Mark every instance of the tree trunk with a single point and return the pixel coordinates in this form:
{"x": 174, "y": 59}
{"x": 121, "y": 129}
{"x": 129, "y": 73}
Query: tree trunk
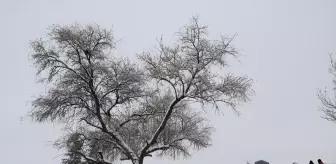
{"x": 137, "y": 161}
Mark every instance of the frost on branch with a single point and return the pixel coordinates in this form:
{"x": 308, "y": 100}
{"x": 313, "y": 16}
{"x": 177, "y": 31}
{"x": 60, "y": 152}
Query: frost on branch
{"x": 328, "y": 103}
{"x": 187, "y": 68}
{"x": 109, "y": 105}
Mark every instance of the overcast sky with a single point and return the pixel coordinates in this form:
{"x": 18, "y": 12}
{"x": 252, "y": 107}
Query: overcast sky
{"x": 284, "y": 43}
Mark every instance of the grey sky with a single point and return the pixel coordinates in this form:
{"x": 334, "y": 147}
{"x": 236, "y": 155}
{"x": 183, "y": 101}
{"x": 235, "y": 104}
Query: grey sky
{"x": 285, "y": 46}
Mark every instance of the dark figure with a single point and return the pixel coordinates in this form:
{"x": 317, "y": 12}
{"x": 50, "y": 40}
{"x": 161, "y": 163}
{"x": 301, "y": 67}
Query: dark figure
{"x": 320, "y": 161}
{"x": 311, "y": 162}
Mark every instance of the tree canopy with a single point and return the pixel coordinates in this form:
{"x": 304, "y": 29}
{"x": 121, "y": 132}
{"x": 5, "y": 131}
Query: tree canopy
{"x": 116, "y": 109}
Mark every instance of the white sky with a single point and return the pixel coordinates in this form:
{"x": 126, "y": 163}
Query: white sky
{"x": 285, "y": 45}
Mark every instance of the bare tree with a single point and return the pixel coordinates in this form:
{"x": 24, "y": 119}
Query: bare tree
{"x": 329, "y": 102}
{"x": 113, "y": 109}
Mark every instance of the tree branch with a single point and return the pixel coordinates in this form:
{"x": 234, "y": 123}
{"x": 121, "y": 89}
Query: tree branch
{"x": 168, "y": 81}
{"x": 163, "y": 147}
{"x": 161, "y": 127}
{"x": 90, "y": 160}
{"x": 131, "y": 119}
{"x": 64, "y": 64}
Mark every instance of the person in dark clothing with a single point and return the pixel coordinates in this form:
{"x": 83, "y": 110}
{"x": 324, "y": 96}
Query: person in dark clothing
{"x": 311, "y": 162}
{"x": 320, "y": 161}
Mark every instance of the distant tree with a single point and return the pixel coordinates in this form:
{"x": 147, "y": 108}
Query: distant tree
{"x": 113, "y": 109}
{"x": 329, "y": 102}
{"x": 261, "y": 162}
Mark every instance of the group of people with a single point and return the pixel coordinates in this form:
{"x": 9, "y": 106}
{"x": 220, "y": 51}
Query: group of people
{"x": 319, "y": 161}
